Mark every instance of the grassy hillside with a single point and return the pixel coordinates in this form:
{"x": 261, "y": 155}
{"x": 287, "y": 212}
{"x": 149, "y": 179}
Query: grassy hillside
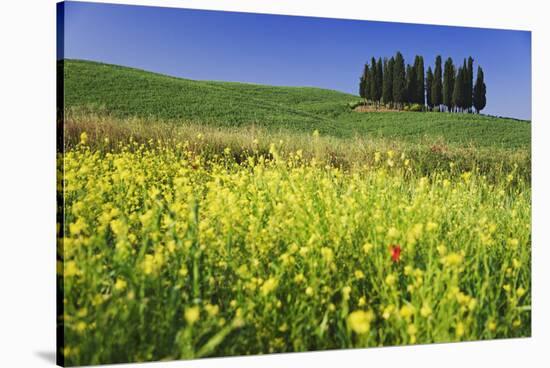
{"x": 125, "y": 92}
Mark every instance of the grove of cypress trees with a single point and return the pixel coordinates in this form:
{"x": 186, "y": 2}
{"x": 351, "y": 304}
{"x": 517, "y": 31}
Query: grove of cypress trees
{"x": 395, "y": 83}
{"x": 448, "y": 83}
{"x": 429, "y": 87}
{"x": 399, "y": 89}
{"x": 437, "y": 85}
{"x": 480, "y": 91}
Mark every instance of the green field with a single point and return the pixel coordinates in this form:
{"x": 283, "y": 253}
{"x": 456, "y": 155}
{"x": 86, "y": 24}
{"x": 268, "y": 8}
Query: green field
{"x": 125, "y": 92}
{"x": 201, "y": 219}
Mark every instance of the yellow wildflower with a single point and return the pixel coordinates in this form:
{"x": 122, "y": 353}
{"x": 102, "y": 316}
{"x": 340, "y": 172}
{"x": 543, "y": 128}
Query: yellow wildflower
{"x": 212, "y": 310}
{"x": 327, "y": 254}
{"x": 431, "y": 226}
{"x": 393, "y": 233}
{"x": 359, "y": 321}
{"x": 83, "y": 138}
{"x": 459, "y": 329}
{"x": 269, "y": 285}
{"x": 299, "y": 278}
{"x": 346, "y": 291}
{"x": 71, "y": 269}
{"x": 406, "y": 311}
{"x": 120, "y": 284}
{"x": 192, "y": 314}
{"x": 452, "y": 259}
{"x": 367, "y": 247}
{"x": 425, "y": 311}
{"x": 81, "y": 327}
{"x": 391, "y": 279}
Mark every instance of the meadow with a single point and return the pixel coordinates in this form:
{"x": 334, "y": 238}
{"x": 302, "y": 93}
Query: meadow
{"x": 122, "y": 92}
{"x": 183, "y": 238}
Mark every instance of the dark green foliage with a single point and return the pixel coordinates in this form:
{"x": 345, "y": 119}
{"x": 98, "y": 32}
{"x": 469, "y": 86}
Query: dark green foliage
{"x": 448, "y": 83}
{"x": 363, "y": 82}
{"x": 373, "y": 92}
{"x": 437, "y": 86}
{"x": 379, "y": 80}
{"x": 468, "y": 92}
{"x": 399, "y": 80}
{"x": 429, "y": 87}
{"x": 463, "y": 102}
{"x": 387, "y": 87}
{"x": 480, "y": 90}
{"x": 368, "y": 81}
{"x": 458, "y": 90}
{"x": 394, "y": 84}
{"x": 419, "y": 93}
{"x": 362, "y": 86}
{"x": 411, "y": 84}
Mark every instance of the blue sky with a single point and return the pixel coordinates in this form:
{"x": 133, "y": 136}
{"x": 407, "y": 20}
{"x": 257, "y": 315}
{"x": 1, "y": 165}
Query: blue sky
{"x": 289, "y": 50}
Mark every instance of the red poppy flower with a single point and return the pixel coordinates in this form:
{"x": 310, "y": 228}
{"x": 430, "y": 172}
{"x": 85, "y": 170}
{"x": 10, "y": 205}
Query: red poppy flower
{"x": 395, "y": 251}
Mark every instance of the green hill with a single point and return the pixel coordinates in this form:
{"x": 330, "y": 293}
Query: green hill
{"x": 127, "y": 92}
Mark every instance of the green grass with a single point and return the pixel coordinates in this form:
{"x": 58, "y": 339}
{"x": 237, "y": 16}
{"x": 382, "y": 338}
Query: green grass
{"x": 345, "y": 153}
{"x": 124, "y": 92}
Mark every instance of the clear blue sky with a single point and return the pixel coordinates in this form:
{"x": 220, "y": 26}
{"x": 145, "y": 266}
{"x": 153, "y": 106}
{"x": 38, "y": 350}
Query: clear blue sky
{"x": 288, "y": 50}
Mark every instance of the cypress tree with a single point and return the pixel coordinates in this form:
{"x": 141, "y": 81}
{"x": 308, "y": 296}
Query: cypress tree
{"x": 411, "y": 84}
{"x": 419, "y": 66}
{"x": 448, "y": 83}
{"x": 399, "y": 89}
{"x": 387, "y": 86}
{"x": 468, "y": 93}
{"x": 458, "y": 89}
{"x": 464, "y": 102}
{"x": 367, "y": 82}
{"x": 437, "y": 85}
{"x": 379, "y": 80}
{"x": 363, "y": 82}
{"x": 372, "y": 81}
{"x": 429, "y": 87}
{"x": 391, "y": 66}
{"x": 480, "y": 90}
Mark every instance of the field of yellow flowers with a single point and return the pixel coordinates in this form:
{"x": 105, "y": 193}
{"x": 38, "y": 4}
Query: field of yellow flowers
{"x": 168, "y": 253}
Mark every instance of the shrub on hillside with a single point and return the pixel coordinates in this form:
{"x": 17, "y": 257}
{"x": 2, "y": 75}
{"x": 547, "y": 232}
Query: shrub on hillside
{"x": 415, "y": 107}
{"x": 353, "y": 104}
